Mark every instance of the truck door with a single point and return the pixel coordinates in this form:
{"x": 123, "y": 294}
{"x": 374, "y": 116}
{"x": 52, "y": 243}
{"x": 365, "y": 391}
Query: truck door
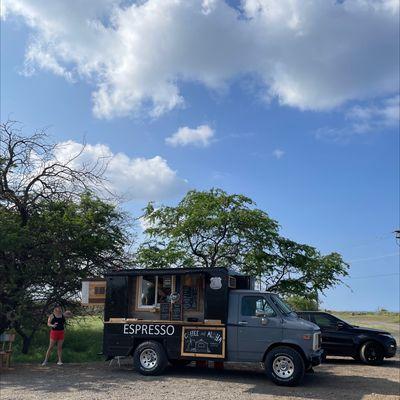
{"x": 258, "y": 327}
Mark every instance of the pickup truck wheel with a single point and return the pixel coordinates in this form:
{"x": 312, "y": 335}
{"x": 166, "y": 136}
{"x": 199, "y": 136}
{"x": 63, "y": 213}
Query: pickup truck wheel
{"x": 285, "y": 366}
{"x": 149, "y": 358}
{"x": 371, "y": 353}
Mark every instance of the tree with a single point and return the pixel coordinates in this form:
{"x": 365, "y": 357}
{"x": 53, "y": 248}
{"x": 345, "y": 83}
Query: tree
{"x": 31, "y": 173}
{"x": 206, "y": 229}
{"x": 53, "y": 231}
{"x": 215, "y": 229}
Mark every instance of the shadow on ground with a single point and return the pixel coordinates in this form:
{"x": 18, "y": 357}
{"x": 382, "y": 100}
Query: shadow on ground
{"x": 339, "y": 378}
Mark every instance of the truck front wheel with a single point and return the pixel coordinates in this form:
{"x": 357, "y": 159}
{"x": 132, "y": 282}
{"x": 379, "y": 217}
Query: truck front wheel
{"x": 285, "y": 366}
{"x": 149, "y": 358}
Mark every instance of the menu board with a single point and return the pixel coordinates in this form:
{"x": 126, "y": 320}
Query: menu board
{"x": 176, "y": 312}
{"x": 203, "y": 342}
{"x": 189, "y": 298}
{"x": 164, "y": 311}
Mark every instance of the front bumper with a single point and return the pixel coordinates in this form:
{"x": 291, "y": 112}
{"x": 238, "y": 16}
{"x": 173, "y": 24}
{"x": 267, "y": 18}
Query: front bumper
{"x": 390, "y": 349}
{"x": 315, "y": 357}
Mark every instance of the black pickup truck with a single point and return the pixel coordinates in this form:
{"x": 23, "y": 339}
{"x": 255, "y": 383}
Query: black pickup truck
{"x": 339, "y": 338}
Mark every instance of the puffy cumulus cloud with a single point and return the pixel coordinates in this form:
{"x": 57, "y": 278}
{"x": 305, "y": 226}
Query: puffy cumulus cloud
{"x": 313, "y": 55}
{"x": 130, "y": 178}
{"x": 200, "y": 136}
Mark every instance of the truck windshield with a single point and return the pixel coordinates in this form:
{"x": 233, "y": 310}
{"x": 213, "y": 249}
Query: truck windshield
{"x": 282, "y": 306}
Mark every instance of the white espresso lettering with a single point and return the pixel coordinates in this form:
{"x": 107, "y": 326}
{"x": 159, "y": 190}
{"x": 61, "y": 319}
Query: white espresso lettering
{"x": 144, "y": 329}
{"x": 157, "y": 329}
{"x": 162, "y": 328}
{"x": 131, "y": 329}
{"x": 137, "y": 328}
{"x": 126, "y": 326}
{"x": 151, "y": 328}
{"x": 170, "y": 330}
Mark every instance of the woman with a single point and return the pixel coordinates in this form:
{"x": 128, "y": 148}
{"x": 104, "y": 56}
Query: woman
{"x": 56, "y": 322}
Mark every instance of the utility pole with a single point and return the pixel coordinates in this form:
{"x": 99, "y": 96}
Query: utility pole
{"x": 397, "y": 235}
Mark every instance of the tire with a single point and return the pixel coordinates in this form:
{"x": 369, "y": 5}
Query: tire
{"x": 149, "y": 358}
{"x": 285, "y": 366}
{"x": 371, "y": 353}
{"x": 179, "y": 363}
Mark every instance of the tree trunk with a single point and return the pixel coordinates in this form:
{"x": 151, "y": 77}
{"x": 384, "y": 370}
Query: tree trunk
{"x": 26, "y": 344}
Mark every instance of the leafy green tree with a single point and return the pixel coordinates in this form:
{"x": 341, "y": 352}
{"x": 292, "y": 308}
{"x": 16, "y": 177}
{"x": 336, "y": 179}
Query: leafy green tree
{"x": 216, "y": 229}
{"x": 53, "y": 232}
{"x": 43, "y": 262}
{"x": 299, "y": 303}
{"x": 206, "y": 229}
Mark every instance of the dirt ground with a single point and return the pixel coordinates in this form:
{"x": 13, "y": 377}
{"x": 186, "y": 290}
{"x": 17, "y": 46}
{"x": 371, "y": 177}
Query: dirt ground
{"x": 338, "y": 379}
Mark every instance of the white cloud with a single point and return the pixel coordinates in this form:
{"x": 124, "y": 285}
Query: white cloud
{"x": 313, "y": 55}
{"x": 130, "y": 178}
{"x": 278, "y": 153}
{"x": 200, "y": 136}
{"x": 375, "y": 116}
{"x": 372, "y": 117}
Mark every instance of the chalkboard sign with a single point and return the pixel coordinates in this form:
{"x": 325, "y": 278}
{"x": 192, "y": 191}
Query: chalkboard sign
{"x": 176, "y": 312}
{"x": 189, "y": 299}
{"x": 203, "y": 342}
{"x": 164, "y": 311}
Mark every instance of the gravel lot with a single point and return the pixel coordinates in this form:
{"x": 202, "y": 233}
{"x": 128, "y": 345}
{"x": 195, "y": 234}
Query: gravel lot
{"x": 338, "y": 379}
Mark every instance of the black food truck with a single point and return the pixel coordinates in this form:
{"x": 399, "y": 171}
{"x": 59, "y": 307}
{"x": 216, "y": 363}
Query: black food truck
{"x": 162, "y": 316}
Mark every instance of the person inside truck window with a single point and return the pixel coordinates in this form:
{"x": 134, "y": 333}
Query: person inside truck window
{"x": 253, "y": 304}
{"x": 154, "y": 289}
{"x": 148, "y": 290}
{"x": 325, "y": 321}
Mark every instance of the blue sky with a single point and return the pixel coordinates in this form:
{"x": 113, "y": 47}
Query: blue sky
{"x": 287, "y": 104}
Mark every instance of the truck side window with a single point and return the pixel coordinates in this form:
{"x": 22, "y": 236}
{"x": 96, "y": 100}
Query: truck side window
{"x": 251, "y": 304}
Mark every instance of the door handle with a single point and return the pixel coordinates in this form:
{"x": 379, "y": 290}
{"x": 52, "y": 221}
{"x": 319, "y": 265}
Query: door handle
{"x": 242, "y": 323}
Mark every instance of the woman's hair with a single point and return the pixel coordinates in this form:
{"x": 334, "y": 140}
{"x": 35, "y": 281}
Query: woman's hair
{"x": 57, "y": 306}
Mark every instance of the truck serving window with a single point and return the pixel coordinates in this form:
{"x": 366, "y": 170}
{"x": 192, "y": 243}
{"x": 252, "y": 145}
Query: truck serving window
{"x": 153, "y": 290}
{"x": 252, "y": 304}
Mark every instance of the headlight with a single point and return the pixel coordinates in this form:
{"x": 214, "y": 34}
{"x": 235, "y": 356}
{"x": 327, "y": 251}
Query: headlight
{"x": 316, "y": 341}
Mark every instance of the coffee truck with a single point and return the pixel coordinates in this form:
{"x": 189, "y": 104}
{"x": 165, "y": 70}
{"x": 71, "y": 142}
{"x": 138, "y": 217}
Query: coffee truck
{"x": 175, "y": 316}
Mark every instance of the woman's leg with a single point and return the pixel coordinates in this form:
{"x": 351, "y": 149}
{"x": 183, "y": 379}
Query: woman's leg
{"x": 59, "y": 350}
{"x": 48, "y": 352}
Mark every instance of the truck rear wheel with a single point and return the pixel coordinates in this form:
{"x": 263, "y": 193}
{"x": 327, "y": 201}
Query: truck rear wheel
{"x": 285, "y": 366}
{"x": 149, "y": 358}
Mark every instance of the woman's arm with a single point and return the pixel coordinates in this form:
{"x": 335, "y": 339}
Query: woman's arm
{"x": 49, "y": 324}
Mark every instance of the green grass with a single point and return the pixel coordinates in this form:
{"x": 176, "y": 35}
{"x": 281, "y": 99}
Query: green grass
{"x": 84, "y": 335}
{"x": 83, "y": 342}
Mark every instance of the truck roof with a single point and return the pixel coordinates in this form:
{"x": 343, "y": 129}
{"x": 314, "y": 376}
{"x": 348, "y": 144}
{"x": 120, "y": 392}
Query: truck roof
{"x": 248, "y": 291}
{"x": 171, "y": 271}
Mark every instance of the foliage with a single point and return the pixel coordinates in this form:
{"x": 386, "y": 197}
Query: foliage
{"x": 299, "y": 303}
{"x": 206, "y": 229}
{"x": 53, "y": 231}
{"x": 216, "y": 229}
{"x": 44, "y": 261}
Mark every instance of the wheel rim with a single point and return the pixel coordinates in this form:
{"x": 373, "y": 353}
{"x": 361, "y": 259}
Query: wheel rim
{"x": 148, "y": 359}
{"x": 283, "y": 367}
{"x": 371, "y": 353}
